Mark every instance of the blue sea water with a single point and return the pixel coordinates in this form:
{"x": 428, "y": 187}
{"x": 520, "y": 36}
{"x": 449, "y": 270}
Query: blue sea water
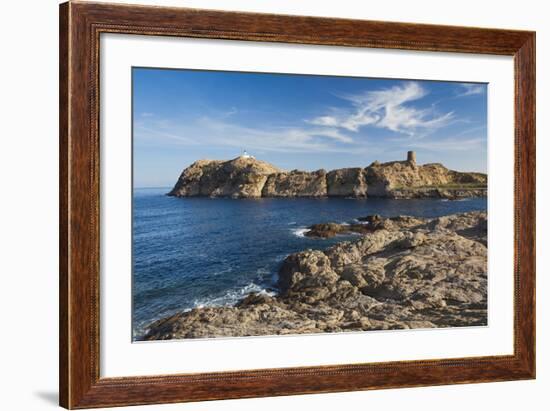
{"x": 192, "y": 252}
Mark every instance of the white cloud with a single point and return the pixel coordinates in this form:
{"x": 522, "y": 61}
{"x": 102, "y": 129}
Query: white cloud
{"x": 339, "y": 130}
{"x": 386, "y": 109}
{"x": 471, "y": 89}
{"x": 220, "y": 132}
{"x": 325, "y": 121}
{"x": 275, "y": 138}
{"x": 153, "y": 134}
{"x": 348, "y": 121}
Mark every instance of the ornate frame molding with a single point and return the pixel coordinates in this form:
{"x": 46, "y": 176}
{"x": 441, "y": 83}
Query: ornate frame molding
{"x": 81, "y": 24}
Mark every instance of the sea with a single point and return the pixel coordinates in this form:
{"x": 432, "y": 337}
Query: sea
{"x": 198, "y": 252}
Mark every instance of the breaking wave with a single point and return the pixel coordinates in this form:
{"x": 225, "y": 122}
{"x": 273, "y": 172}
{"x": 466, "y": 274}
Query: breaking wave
{"x": 300, "y": 232}
{"x": 231, "y": 297}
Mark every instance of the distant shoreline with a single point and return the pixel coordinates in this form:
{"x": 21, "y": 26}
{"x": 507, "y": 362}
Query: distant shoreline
{"x": 247, "y": 177}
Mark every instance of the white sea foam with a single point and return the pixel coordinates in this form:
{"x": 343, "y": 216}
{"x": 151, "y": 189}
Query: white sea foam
{"x": 231, "y": 297}
{"x": 300, "y": 232}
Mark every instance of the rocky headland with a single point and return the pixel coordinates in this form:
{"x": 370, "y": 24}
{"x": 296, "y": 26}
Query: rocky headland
{"x": 402, "y": 272}
{"x": 247, "y": 177}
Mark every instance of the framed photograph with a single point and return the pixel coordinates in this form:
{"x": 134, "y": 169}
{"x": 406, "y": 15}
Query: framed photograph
{"x": 259, "y": 205}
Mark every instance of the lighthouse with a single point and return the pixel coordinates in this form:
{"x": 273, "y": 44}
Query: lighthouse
{"x": 246, "y": 155}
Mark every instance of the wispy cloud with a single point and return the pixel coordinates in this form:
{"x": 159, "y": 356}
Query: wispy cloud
{"x": 220, "y": 132}
{"x": 343, "y": 129}
{"x": 154, "y": 134}
{"x": 387, "y": 109}
{"x": 272, "y": 138}
{"x": 467, "y": 89}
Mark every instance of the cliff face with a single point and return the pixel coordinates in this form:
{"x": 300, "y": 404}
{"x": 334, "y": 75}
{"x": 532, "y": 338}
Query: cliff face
{"x": 238, "y": 178}
{"x": 246, "y": 177}
{"x": 389, "y": 179}
{"x": 347, "y": 182}
{"x": 296, "y": 184}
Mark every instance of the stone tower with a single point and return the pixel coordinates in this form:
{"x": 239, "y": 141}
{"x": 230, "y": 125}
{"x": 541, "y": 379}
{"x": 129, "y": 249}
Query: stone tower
{"x": 411, "y": 157}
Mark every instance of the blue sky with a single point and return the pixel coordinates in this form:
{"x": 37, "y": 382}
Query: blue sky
{"x": 301, "y": 122}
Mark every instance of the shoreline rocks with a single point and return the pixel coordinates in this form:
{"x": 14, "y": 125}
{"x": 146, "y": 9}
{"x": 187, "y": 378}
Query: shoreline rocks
{"x": 405, "y": 272}
{"x": 246, "y": 177}
{"x": 328, "y": 230}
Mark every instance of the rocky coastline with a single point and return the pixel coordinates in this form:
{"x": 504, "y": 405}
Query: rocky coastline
{"x": 247, "y": 177}
{"x": 400, "y": 273}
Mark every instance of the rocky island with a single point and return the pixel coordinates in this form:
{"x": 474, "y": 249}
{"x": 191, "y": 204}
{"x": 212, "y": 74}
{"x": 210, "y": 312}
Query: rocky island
{"x": 247, "y": 177}
{"x": 402, "y": 272}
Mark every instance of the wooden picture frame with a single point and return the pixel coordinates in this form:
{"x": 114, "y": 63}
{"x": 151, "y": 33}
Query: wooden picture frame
{"x": 80, "y": 27}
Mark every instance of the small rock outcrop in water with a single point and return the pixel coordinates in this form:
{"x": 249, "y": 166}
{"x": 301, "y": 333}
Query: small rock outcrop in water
{"x": 328, "y": 230}
{"x": 246, "y": 177}
{"x": 407, "y": 272}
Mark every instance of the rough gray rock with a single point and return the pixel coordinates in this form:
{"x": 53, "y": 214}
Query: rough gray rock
{"x": 246, "y": 177}
{"x": 296, "y": 184}
{"x": 405, "y": 179}
{"x": 447, "y": 193}
{"x": 328, "y": 230}
{"x": 407, "y": 273}
{"x": 238, "y": 178}
{"x": 347, "y": 182}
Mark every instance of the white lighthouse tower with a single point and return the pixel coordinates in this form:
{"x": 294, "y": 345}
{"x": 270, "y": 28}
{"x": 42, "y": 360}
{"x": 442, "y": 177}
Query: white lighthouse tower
{"x": 246, "y": 155}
